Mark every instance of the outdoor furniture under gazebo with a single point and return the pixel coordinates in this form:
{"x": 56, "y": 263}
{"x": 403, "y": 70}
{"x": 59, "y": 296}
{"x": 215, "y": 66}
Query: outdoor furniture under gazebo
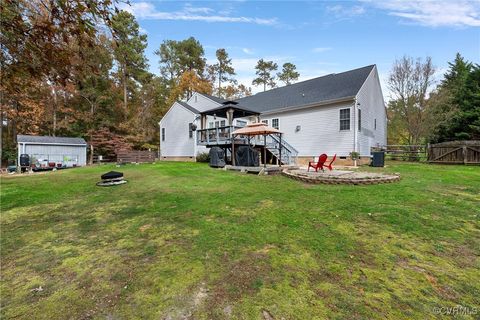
{"x": 258, "y": 129}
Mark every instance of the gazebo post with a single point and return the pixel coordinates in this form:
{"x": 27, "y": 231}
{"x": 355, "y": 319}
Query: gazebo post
{"x": 264, "y": 151}
{"x": 233, "y": 150}
{"x": 280, "y": 160}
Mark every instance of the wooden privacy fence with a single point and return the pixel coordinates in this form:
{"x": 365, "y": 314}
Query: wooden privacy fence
{"x": 137, "y": 156}
{"x": 455, "y": 152}
{"x": 404, "y": 152}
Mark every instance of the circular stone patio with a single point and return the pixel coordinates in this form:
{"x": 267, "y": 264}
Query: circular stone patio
{"x": 340, "y": 177}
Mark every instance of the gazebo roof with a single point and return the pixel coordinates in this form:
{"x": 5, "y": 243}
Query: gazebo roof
{"x": 238, "y": 110}
{"x": 256, "y": 129}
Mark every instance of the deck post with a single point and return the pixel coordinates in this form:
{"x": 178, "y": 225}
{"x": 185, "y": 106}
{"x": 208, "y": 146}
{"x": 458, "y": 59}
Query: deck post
{"x": 264, "y": 151}
{"x": 280, "y": 156}
{"x": 233, "y": 149}
{"x": 230, "y": 116}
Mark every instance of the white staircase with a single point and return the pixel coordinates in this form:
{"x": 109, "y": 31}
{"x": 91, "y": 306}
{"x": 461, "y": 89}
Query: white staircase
{"x": 289, "y": 153}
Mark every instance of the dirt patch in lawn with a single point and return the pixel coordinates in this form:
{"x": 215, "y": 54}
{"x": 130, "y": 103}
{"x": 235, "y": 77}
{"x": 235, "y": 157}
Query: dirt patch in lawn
{"x": 243, "y": 277}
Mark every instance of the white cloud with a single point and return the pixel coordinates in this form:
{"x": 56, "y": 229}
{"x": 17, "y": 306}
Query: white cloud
{"x": 247, "y": 50}
{"x": 434, "y": 13}
{"x": 321, "y": 49}
{"x": 146, "y": 10}
{"x": 341, "y": 11}
{"x": 204, "y": 10}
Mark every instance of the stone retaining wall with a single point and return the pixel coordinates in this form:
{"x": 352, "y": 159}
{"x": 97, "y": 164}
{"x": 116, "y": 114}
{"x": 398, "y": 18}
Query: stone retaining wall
{"x": 340, "y": 180}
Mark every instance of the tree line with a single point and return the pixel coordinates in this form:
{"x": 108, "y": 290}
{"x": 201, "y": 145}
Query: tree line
{"x": 78, "y": 68}
{"x": 419, "y": 115}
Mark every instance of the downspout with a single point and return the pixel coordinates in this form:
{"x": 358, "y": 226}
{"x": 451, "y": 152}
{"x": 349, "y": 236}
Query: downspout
{"x": 355, "y": 129}
{"x": 194, "y": 136}
{"x": 159, "y": 140}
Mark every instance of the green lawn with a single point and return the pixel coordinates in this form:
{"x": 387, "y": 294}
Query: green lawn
{"x": 184, "y": 241}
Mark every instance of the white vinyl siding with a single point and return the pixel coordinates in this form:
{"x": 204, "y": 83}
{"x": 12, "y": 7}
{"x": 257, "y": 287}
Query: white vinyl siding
{"x": 175, "y": 125}
{"x": 373, "y": 115}
{"x": 202, "y": 103}
{"x": 318, "y": 130}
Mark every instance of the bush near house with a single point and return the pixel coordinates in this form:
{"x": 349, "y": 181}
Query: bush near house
{"x": 181, "y": 240}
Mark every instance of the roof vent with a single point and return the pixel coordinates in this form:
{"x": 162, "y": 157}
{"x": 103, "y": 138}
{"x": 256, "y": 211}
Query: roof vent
{"x": 303, "y": 94}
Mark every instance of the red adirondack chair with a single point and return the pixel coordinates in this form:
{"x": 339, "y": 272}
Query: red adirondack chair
{"x": 321, "y": 164}
{"x": 329, "y": 166}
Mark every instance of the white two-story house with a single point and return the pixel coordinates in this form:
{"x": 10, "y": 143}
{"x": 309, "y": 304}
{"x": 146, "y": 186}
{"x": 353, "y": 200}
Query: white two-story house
{"x": 333, "y": 114}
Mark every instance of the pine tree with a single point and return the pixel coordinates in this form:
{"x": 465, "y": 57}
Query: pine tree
{"x": 128, "y": 47}
{"x": 289, "y": 73}
{"x": 264, "y": 73}
{"x": 223, "y": 69}
{"x": 455, "y": 106}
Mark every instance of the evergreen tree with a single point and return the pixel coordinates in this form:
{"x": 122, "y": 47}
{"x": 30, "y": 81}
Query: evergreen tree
{"x": 289, "y": 73}
{"x": 454, "y": 107}
{"x": 264, "y": 73}
{"x": 177, "y": 57}
{"x": 128, "y": 48}
{"x": 223, "y": 69}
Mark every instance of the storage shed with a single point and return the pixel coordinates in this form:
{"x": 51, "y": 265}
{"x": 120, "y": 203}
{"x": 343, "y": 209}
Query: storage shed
{"x": 45, "y": 150}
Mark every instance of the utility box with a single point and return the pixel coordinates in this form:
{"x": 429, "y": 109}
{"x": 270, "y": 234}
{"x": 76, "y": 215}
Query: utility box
{"x": 378, "y": 159}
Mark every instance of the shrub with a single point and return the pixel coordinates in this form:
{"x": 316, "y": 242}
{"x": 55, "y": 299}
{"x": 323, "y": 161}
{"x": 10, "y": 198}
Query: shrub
{"x": 203, "y": 157}
{"x": 354, "y": 155}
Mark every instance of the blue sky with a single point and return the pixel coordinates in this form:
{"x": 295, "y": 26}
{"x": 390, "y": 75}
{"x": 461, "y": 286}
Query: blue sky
{"x": 320, "y": 37}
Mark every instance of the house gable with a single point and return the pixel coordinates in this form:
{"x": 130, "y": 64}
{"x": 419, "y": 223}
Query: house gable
{"x": 373, "y": 114}
{"x": 175, "y": 140}
{"x": 202, "y": 102}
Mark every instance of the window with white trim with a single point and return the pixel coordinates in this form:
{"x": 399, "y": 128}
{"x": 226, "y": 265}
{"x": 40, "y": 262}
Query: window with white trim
{"x": 241, "y": 123}
{"x": 375, "y": 124}
{"x": 265, "y": 121}
{"x": 217, "y": 124}
{"x": 163, "y": 134}
{"x": 222, "y": 123}
{"x": 345, "y": 119}
{"x": 275, "y": 123}
{"x": 190, "y": 131}
{"x": 210, "y": 124}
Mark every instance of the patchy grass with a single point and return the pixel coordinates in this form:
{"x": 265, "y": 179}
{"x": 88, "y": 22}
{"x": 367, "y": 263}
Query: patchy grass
{"x": 182, "y": 240}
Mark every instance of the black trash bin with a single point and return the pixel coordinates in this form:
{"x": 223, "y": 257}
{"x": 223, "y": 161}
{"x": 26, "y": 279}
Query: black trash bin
{"x": 378, "y": 159}
{"x": 24, "y": 160}
{"x": 217, "y": 157}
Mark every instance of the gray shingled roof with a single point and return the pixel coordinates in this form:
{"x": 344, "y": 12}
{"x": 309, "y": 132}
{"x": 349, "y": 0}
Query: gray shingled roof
{"x": 317, "y": 90}
{"x": 189, "y": 107}
{"x": 50, "y": 140}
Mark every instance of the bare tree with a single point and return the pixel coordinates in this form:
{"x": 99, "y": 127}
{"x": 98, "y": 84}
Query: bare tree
{"x": 409, "y": 82}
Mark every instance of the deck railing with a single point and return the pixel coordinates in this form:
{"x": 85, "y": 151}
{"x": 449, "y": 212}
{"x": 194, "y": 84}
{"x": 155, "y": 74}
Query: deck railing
{"x": 217, "y": 136}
